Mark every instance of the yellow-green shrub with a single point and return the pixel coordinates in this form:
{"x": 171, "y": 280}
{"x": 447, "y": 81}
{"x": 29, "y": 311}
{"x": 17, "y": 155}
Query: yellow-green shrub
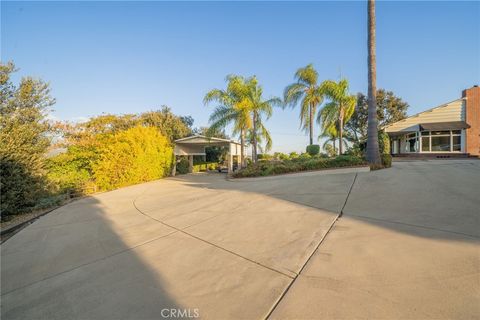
{"x": 136, "y": 155}
{"x": 204, "y": 166}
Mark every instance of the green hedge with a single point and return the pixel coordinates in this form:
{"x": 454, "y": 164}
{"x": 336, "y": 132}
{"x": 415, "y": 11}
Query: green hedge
{"x": 204, "y": 166}
{"x": 111, "y": 161}
{"x": 383, "y": 142}
{"x": 386, "y": 160}
{"x": 133, "y": 156}
{"x": 266, "y": 168}
{"x": 182, "y": 166}
{"x": 313, "y": 149}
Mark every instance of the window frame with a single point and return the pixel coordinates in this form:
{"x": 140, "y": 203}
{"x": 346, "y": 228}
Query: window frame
{"x": 428, "y": 134}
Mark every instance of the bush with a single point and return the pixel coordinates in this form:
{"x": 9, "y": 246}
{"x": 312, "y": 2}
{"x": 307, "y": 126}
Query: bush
{"x": 386, "y": 160}
{"x": 133, "y": 156}
{"x": 266, "y": 168}
{"x": 182, "y": 166}
{"x": 304, "y": 156}
{"x": 204, "y": 166}
{"x": 313, "y": 149}
{"x": 383, "y": 142}
{"x": 264, "y": 156}
{"x": 70, "y": 172}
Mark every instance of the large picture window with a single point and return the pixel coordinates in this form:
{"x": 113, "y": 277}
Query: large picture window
{"x": 441, "y": 141}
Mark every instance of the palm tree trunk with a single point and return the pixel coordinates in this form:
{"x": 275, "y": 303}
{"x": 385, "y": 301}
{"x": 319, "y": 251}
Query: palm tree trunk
{"x": 373, "y": 155}
{"x": 242, "y": 148}
{"x": 254, "y": 138}
{"x": 311, "y": 124}
{"x": 340, "y": 141}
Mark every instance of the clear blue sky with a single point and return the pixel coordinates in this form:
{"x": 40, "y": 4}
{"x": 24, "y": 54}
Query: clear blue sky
{"x": 126, "y": 57}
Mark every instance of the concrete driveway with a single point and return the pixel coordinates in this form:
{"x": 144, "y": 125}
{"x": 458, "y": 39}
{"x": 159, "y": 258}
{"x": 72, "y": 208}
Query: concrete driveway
{"x": 406, "y": 246}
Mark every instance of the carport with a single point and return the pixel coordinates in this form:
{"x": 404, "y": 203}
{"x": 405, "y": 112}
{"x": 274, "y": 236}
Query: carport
{"x": 195, "y": 146}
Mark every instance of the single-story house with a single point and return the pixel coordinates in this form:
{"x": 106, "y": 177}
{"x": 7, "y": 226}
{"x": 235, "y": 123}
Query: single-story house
{"x": 450, "y": 129}
{"x": 195, "y": 146}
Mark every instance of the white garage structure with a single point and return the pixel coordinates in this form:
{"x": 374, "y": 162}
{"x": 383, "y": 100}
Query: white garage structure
{"x": 195, "y": 146}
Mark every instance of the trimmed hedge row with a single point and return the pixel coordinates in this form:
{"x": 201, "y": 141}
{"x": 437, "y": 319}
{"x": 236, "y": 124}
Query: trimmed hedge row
{"x": 111, "y": 161}
{"x": 268, "y": 168}
{"x": 182, "y": 166}
{"x": 204, "y": 166}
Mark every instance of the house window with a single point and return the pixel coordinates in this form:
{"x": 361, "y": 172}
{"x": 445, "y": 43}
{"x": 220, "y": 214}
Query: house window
{"x": 441, "y": 141}
{"x": 425, "y": 142}
{"x": 456, "y": 143}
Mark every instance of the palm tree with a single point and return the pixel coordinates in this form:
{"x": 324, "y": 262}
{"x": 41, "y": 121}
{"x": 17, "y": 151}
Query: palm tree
{"x": 260, "y": 109}
{"x": 308, "y": 92}
{"x": 233, "y": 108}
{"x": 373, "y": 154}
{"x": 339, "y": 110}
{"x": 330, "y": 134}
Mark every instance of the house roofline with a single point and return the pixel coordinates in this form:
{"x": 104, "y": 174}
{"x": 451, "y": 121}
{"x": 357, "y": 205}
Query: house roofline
{"x": 419, "y": 113}
{"x": 205, "y": 137}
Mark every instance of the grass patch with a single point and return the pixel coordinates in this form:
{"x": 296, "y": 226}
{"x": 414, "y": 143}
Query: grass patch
{"x": 274, "y": 167}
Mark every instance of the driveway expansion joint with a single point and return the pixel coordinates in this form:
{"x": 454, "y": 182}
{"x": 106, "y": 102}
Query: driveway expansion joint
{"x": 313, "y": 252}
{"x": 88, "y": 263}
{"x": 213, "y": 244}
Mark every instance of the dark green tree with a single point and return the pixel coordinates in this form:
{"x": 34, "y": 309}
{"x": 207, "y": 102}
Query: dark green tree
{"x": 390, "y": 109}
{"x": 23, "y": 140}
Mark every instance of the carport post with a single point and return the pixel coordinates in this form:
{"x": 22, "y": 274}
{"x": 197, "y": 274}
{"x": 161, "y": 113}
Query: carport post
{"x": 230, "y": 163}
{"x": 174, "y": 166}
{"x": 190, "y": 164}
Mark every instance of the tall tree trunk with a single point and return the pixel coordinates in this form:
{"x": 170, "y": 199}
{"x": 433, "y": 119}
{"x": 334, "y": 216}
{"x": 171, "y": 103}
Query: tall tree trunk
{"x": 335, "y": 145}
{"x": 373, "y": 154}
{"x": 242, "y": 148}
{"x": 311, "y": 124}
{"x": 254, "y": 138}
{"x": 340, "y": 141}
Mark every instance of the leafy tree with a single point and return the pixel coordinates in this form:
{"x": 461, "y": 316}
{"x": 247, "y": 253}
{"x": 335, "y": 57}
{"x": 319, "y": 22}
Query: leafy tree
{"x": 373, "y": 154}
{"x": 23, "y": 140}
{"x": 211, "y": 132}
{"x": 309, "y": 93}
{"x": 188, "y": 120}
{"x": 171, "y": 126}
{"x": 339, "y": 110}
{"x": 390, "y": 109}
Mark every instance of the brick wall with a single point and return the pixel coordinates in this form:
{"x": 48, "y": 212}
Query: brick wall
{"x": 472, "y": 117}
